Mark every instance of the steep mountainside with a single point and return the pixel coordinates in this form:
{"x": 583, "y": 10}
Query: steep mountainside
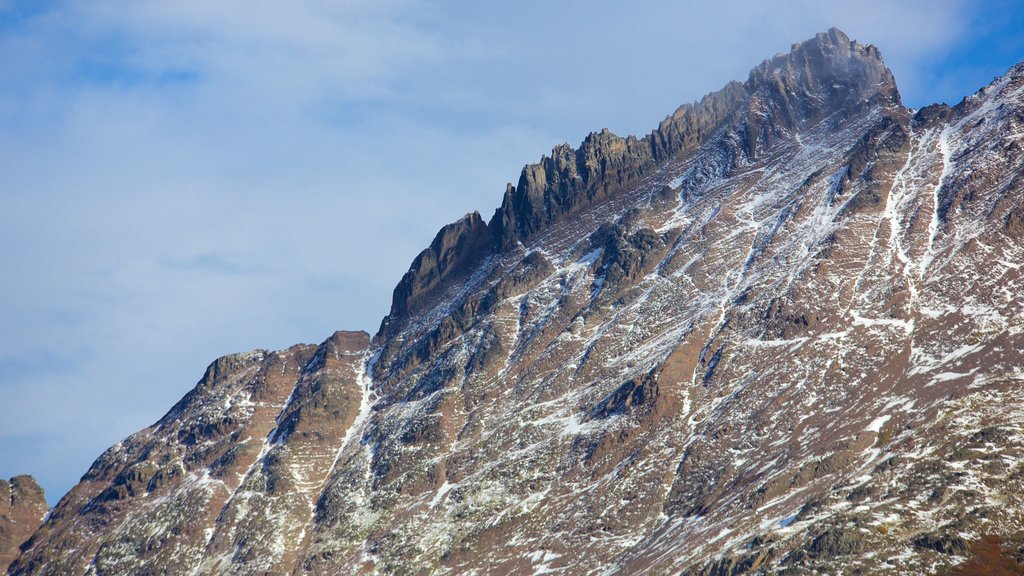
{"x": 782, "y": 333}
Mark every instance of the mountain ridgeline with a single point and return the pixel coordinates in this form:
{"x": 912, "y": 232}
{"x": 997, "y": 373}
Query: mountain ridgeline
{"x": 780, "y": 334}
{"x": 817, "y": 78}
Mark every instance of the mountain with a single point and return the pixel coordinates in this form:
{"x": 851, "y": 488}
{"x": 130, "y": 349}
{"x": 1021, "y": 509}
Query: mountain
{"x": 781, "y": 333}
{"x": 22, "y": 508}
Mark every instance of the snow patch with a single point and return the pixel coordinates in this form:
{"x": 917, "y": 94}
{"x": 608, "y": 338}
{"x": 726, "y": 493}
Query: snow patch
{"x": 877, "y": 423}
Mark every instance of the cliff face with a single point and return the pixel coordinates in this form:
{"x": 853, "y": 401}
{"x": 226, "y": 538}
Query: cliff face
{"x": 780, "y": 333}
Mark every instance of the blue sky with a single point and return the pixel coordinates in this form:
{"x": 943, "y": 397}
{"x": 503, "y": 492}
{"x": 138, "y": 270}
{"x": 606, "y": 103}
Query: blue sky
{"x": 180, "y": 180}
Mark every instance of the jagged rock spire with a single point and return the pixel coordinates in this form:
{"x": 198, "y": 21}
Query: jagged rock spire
{"x": 825, "y": 74}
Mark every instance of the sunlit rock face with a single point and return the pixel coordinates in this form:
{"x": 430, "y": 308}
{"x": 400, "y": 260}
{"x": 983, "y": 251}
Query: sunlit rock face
{"x": 782, "y": 333}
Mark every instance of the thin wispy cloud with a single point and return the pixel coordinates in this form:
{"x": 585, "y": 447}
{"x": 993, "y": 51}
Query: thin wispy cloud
{"x": 185, "y": 179}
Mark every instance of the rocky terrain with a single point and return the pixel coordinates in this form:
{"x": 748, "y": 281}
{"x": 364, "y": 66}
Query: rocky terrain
{"x": 22, "y": 508}
{"x": 783, "y": 333}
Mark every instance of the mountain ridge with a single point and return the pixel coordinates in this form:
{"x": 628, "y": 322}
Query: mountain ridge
{"x": 828, "y": 67}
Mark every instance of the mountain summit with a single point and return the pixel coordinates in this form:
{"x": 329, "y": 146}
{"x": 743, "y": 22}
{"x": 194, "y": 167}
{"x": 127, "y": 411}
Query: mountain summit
{"x": 781, "y": 333}
{"x": 826, "y": 75}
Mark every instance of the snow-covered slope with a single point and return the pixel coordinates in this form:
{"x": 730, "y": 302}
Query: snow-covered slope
{"x": 781, "y": 333}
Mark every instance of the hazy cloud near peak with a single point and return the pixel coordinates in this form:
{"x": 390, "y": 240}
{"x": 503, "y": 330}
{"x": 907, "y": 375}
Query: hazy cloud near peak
{"x": 185, "y": 179}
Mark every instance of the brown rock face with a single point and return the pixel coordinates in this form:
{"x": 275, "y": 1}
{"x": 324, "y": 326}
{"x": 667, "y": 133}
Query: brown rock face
{"x": 781, "y": 334}
{"x": 22, "y": 508}
{"x": 456, "y": 248}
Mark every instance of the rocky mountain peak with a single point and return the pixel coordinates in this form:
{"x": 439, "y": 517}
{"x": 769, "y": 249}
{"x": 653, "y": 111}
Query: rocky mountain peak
{"x": 829, "y": 67}
{"x": 825, "y": 75}
{"x": 828, "y": 75}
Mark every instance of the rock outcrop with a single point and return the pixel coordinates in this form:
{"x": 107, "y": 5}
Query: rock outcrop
{"x": 22, "y": 509}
